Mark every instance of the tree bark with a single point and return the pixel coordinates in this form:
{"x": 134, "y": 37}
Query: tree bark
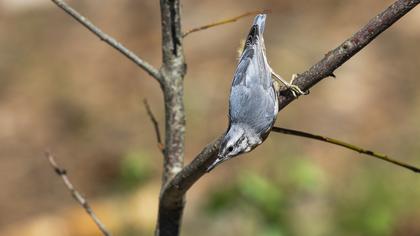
{"x": 173, "y": 72}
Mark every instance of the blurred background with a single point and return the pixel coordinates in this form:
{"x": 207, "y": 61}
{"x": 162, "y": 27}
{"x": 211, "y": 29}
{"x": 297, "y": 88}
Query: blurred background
{"x": 63, "y": 89}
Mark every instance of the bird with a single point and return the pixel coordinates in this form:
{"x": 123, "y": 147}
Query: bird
{"x": 253, "y": 101}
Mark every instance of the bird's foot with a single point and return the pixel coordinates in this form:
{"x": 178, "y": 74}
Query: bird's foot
{"x": 294, "y": 89}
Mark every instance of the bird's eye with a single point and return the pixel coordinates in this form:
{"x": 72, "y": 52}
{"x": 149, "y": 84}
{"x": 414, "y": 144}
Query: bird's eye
{"x": 230, "y": 148}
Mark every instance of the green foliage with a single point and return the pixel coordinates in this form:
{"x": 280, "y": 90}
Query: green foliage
{"x": 305, "y": 175}
{"x": 272, "y": 230}
{"x": 291, "y": 201}
{"x": 302, "y": 200}
{"x": 262, "y": 193}
{"x": 253, "y": 195}
{"x": 378, "y": 221}
{"x": 373, "y": 209}
{"x": 222, "y": 200}
{"x": 135, "y": 169}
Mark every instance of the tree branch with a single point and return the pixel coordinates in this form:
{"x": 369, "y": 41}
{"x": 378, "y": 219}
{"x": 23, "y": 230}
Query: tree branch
{"x": 177, "y": 187}
{"x": 155, "y": 125}
{"x": 75, "y": 194}
{"x": 345, "y": 145}
{"x": 108, "y": 39}
{"x": 335, "y": 58}
{"x": 222, "y": 22}
{"x": 173, "y": 71}
{"x": 172, "y": 52}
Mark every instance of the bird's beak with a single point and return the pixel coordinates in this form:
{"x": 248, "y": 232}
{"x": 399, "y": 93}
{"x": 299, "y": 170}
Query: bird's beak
{"x": 215, "y": 163}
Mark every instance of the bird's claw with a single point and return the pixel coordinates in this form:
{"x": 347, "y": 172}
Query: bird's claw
{"x": 296, "y": 91}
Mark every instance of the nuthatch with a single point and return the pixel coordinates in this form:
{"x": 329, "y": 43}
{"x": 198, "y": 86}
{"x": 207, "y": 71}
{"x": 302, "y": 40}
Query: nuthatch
{"x": 253, "y": 102}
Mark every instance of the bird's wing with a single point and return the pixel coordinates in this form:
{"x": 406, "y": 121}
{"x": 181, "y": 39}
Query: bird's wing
{"x": 242, "y": 68}
{"x": 253, "y": 100}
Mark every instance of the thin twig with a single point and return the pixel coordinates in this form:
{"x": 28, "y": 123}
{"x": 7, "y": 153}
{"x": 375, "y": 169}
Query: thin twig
{"x": 155, "y": 125}
{"x": 108, "y": 39}
{"x": 345, "y": 145}
{"x": 222, "y": 22}
{"x": 76, "y": 195}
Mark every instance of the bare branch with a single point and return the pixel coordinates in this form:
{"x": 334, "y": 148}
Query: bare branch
{"x": 172, "y": 51}
{"x": 155, "y": 125}
{"x": 222, "y": 22}
{"x": 173, "y": 71}
{"x": 109, "y": 40}
{"x": 345, "y": 145}
{"x": 76, "y": 195}
{"x": 177, "y": 187}
{"x": 336, "y": 57}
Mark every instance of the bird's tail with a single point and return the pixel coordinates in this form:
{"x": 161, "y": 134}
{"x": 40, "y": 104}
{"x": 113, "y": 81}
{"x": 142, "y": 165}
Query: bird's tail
{"x": 259, "y": 21}
{"x": 257, "y": 29}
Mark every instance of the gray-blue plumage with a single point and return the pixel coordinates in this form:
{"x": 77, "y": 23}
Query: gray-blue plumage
{"x": 253, "y": 100}
{"x": 253, "y": 103}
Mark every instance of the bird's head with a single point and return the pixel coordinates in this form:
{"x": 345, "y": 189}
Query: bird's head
{"x": 236, "y": 141}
